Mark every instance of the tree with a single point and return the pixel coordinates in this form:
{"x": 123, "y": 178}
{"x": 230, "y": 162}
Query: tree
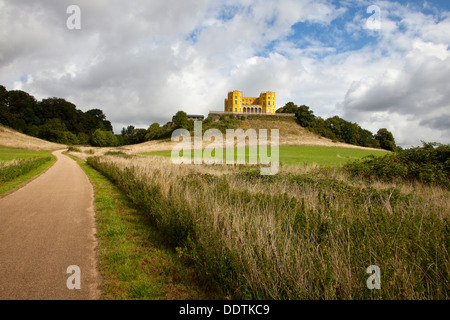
{"x": 131, "y": 135}
{"x": 305, "y": 116}
{"x": 69, "y": 138}
{"x": 99, "y": 138}
{"x": 335, "y": 125}
{"x": 180, "y": 120}
{"x": 59, "y": 108}
{"x": 53, "y": 119}
{"x": 96, "y": 119}
{"x": 139, "y": 135}
{"x": 130, "y": 131}
{"x": 111, "y": 139}
{"x": 367, "y": 139}
{"x": 120, "y": 140}
{"x": 18, "y": 101}
{"x": 102, "y": 138}
{"x": 386, "y": 139}
{"x": 154, "y": 131}
{"x": 3, "y": 94}
{"x": 6, "y": 117}
{"x": 320, "y": 127}
{"x": 53, "y": 130}
{"x": 350, "y": 132}
{"x": 83, "y": 138}
{"x": 289, "y": 107}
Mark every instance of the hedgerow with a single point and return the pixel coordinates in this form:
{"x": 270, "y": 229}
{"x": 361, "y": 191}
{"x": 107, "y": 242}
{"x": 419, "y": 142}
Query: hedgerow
{"x": 427, "y": 164}
{"x": 21, "y": 167}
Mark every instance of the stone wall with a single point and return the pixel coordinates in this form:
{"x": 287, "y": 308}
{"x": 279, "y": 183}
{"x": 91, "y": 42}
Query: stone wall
{"x": 217, "y": 114}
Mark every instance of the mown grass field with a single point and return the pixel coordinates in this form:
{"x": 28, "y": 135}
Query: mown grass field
{"x": 8, "y": 154}
{"x": 306, "y": 155}
{"x": 17, "y": 166}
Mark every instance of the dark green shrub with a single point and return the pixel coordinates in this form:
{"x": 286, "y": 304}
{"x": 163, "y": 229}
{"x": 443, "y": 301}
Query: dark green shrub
{"x": 73, "y": 149}
{"x": 428, "y": 164}
{"x": 115, "y": 153}
{"x": 11, "y": 172}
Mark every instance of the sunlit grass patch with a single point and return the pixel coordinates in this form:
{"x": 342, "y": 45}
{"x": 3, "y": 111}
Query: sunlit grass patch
{"x": 18, "y": 166}
{"x": 299, "y": 155}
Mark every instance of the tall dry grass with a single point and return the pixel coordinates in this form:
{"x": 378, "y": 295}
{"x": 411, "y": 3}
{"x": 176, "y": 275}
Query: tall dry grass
{"x": 15, "y": 139}
{"x": 302, "y": 234}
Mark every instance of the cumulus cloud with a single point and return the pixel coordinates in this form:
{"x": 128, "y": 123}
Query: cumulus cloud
{"x": 141, "y": 61}
{"x": 412, "y": 88}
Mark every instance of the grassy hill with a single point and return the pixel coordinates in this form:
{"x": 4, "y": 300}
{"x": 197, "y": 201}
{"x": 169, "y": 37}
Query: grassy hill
{"x": 22, "y": 158}
{"x": 12, "y": 138}
{"x": 290, "y": 134}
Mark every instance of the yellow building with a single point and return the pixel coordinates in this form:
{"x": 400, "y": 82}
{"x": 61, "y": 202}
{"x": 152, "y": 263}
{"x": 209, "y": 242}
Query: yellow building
{"x": 264, "y": 104}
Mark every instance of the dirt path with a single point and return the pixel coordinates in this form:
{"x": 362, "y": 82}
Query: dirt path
{"x": 45, "y": 227}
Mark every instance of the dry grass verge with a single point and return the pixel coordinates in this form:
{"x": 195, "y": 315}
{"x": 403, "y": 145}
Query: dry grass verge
{"x": 12, "y": 138}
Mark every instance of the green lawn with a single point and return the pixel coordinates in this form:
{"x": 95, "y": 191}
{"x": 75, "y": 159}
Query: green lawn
{"x": 8, "y": 154}
{"x": 301, "y": 155}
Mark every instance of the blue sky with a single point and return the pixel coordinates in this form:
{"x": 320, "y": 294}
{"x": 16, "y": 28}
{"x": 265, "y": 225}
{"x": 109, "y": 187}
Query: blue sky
{"x": 333, "y": 35}
{"x": 143, "y": 61}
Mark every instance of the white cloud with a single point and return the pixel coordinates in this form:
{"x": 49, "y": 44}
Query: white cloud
{"x": 412, "y": 90}
{"x": 141, "y": 61}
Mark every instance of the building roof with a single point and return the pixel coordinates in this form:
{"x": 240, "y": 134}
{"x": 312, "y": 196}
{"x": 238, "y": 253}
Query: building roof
{"x": 195, "y": 116}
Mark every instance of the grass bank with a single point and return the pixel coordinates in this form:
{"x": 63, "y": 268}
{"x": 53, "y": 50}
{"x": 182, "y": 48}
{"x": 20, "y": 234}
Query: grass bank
{"x": 18, "y": 166}
{"x": 134, "y": 261}
{"x": 306, "y": 155}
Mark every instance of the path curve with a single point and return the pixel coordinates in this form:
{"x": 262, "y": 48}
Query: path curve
{"x": 45, "y": 227}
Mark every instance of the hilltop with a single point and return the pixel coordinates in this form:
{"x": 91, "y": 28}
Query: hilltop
{"x": 290, "y": 134}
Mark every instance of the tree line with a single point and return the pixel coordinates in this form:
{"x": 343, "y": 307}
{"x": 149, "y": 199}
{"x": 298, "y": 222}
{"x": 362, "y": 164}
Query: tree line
{"x": 57, "y": 120}
{"x": 338, "y": 129}
{"x": 53, "y": 119}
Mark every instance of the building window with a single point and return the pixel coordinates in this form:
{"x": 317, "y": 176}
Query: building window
{"x": 235, "y": 109}
{"x": 245, "y": 109}
{"x": 269, "y": 103}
